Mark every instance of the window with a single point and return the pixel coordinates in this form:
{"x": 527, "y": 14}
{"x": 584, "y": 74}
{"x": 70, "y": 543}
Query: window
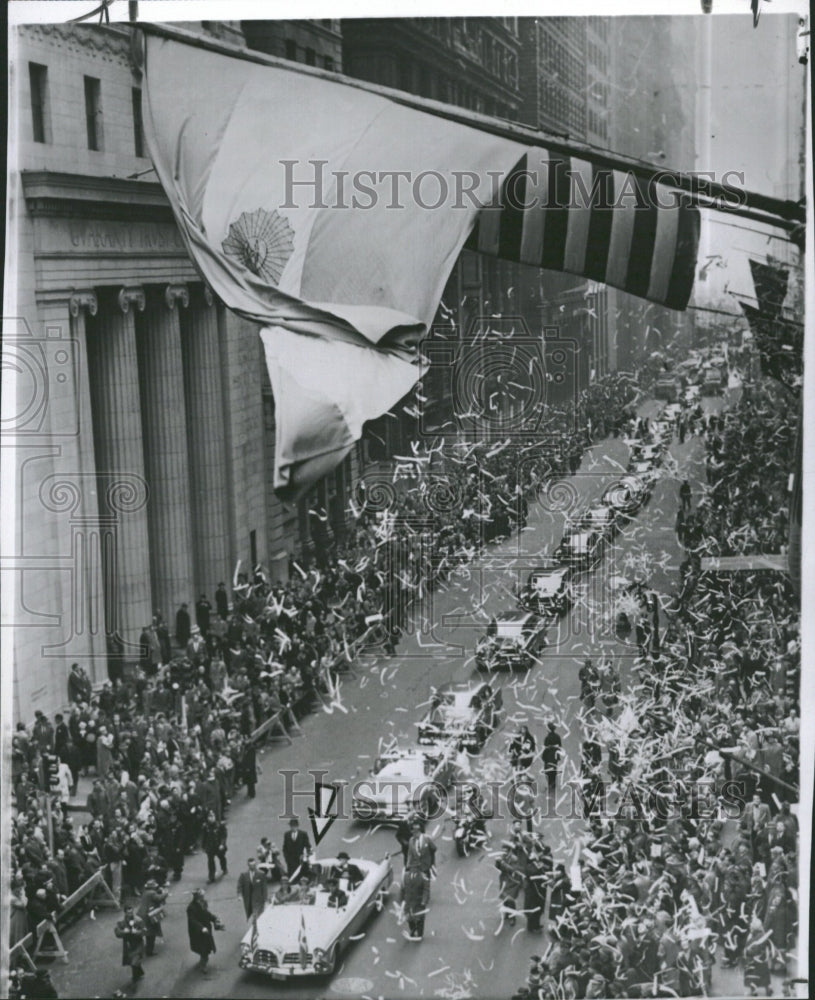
{"x": 291, "y": 49}
{"x": 93, "y": 112}
{"x": 38, "y": 76}
{"x": 138, "y": 128}
{"x": 328, "y": 62}
{"x": 311, "y": 57}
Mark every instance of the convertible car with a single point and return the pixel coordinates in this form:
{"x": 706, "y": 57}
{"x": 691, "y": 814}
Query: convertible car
{"x": 404, "y": 781}
{"x": 306, "y": 935}
{"x": 464, "y": 713}
{"x": 581, "y": 550}
{"x": 548, "y": 590}
{"x": 514, "y": 639}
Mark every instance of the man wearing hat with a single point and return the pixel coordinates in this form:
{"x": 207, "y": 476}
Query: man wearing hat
{"x": 252, "y": 889}
{"x": 345, "y": 870}
{"x": 296, "y": 847}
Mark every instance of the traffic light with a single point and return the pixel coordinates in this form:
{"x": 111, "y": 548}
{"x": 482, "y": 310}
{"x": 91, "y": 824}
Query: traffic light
{"x": 50, "y": 767}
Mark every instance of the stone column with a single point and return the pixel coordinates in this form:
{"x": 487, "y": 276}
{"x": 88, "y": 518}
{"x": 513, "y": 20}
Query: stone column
{"x": 120, "y": 467}
{"x": 165, "y": 449}
{"x": 206, "y": 434}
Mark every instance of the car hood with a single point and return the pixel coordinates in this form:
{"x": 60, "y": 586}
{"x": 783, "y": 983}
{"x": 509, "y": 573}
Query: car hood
{"x": 279, "y": 927}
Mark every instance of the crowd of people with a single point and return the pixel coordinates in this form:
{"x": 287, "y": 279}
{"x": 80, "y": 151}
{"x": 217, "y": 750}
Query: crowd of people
{"x": 747, "y": 464}
{"x": 168, "y": 741}
{"x": 696, "y": 861}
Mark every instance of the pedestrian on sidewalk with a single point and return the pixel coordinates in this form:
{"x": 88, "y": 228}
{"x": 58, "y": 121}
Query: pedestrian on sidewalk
{"x": 200, "y": 925}
{"x": 552, "y": 756}
{"x": 130, "y": 929}
{"x": 213, "y": 839}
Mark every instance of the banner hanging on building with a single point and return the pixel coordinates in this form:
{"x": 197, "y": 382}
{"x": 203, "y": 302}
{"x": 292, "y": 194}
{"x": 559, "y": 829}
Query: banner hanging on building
{"x": 333, "y": 216}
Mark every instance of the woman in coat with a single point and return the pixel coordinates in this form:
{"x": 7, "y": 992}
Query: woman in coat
{"x": 200, "y": 925}
{"x": 131, "y": 931}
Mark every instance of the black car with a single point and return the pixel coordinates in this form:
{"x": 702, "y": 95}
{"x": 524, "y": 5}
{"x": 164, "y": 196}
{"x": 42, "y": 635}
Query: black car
{"x": 513, "y": 639}
{"x": 549, "y": 590}
{"x": 583, "y": 549}
{"x": 627, "y": 495}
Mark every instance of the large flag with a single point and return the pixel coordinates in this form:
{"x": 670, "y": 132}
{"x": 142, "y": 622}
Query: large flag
{"x": 780, "y": 344}
{"x": 770, "y": 280}
{"x": 333, "y": 216}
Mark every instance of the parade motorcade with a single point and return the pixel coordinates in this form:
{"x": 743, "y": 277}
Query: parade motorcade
{"x": 463, "y": 712}
{"x": 513, "y": 640}
{"x": 671, "y": 411}
{"x": 549, "y": 590}
{"x": 693, "y": 394}
{"x": 627, "y": 495}
{"x": 581, "y": 550}
{"x": 668, "y": 387}
{"x": 404, "y": 781}
{"x": 306, "y": 934}
{"x": 598, "y": 517}
{"x": 647, "y": 471}
{"x": 651, "y": 453}
{"x": 713, "y": 380}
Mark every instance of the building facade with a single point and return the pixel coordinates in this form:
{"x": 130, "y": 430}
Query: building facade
{"x": 143, "y": 469}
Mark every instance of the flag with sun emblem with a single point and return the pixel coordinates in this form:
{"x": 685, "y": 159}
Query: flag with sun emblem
{"x": 333, "y": 216}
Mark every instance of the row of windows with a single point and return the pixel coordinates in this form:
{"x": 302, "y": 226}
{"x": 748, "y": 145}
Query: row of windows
{"x": 94, "y": 118}
{"x": 309, "y": 55}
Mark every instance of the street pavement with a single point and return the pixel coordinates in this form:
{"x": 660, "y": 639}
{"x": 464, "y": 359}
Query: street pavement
{"x": 466, "y": 951}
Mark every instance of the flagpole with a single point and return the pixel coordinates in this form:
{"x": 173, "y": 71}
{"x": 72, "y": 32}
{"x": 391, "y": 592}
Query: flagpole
{"x": 705, "y": 193}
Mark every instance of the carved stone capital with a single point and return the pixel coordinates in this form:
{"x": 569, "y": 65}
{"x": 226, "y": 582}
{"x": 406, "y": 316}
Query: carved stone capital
{"x": 132, "y": 296}
{"x": 176, "y": 293}
{"x": 209, "y": 297}
{"x": 83, "y": 300}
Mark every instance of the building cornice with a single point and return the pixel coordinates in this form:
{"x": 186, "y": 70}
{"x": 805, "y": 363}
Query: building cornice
{"x": 110, "y": 42}
{"x": 52, "y": 193}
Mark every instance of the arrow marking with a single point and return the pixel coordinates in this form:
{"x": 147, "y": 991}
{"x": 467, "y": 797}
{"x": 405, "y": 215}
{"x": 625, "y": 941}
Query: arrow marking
{"x": 321, "y": 816}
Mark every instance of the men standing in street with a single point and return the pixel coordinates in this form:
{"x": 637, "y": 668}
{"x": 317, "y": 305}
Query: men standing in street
{"x": 213, "y": 839}
{"x": 522, "y": 749}
{"x": 200, "y": 925}
{"x": 421, "y": 851}
{"x": 296, "y": 848}
{"x": 253, "y": 890}
{"x": 416, "y": 898}
{"x": 685, "y": 495}
{"x": 182, "y": 626}
{"x": 151, "y": 912}
{"x": 131, "y": 931}
{"x": 551, "y": 757}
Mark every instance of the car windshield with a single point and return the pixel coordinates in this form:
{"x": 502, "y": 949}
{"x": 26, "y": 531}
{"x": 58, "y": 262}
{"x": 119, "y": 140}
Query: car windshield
{"x": 546, "y": 584}
{"x": 510, "y": 629}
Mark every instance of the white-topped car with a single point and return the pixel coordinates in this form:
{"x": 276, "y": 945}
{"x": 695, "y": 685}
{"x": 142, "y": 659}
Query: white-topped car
{"x": 514, "y": 639}
{"x": 305, "y": 937}
{"x": 549, "y": 590}
{"x": 403, "y": 781}
{"x": 463, "y": 713}
{"x": 581, "y": 550}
